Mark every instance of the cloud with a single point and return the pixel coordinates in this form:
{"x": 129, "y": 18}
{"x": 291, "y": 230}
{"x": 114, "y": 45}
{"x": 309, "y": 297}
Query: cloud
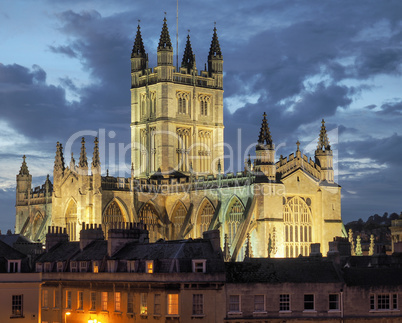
{"x": 66, "y": 50}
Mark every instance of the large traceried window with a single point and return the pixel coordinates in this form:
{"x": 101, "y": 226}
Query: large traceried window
{"x": 298, "y": 227}
{"x": 149, "y": 216}
{"x": 113, "y": 214}
{"x": 204, "y": 217}
{"x": 178, "y": 216}
{"x": 204, "y": 150}
{"x": 71, "y": 220}
{"x": 183, "y": 148}
{"x": 233, "y": 221}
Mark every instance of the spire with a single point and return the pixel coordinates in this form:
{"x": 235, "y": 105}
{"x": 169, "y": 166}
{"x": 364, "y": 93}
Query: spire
{"x": 24, "y": 167}
{"x": 323, "y": 142}
{"x": 215, "y": 49}
{"x": 95, "y": 157}
{"x": 83, "y": 155}
{"x": 138, "y": 48}
{"x": 265, "y": 135}
{"x": 164, "y": 41}
{"x": 59, "y": 159}
{"x": 188, "y": 61}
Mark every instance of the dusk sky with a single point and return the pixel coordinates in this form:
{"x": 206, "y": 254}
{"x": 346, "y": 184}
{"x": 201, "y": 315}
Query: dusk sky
{"x": 65, "y": 71}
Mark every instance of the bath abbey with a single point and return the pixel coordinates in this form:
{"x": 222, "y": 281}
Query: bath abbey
{"x": 274, "y": 207}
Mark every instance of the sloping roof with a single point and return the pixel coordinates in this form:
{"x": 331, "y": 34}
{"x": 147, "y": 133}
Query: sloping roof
{"x": 10, "y": 239}
{"x": 296, "y": 270}
{"x": 60, "y": 252}
{"x": 373, "y": 276}
{"x": 9, "y": 252}
{"x": 96, "y": 250}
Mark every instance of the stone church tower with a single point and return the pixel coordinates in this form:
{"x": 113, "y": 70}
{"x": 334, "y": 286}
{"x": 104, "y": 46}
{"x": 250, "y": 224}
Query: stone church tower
{"x": 176, "y": 186}
{"x": 176, "y": 116}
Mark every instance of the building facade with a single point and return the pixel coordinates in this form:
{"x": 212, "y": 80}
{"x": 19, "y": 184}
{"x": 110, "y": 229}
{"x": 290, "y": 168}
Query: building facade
{"x": 177, "y": 187}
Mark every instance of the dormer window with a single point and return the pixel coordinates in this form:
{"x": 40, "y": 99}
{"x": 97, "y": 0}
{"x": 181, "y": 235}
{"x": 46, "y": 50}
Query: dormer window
{"x": 149, "y": 267}
{"x": 60, "y": 267}
{"x": 131, "y": 266}
{"x": 14, "y": 266}
{"x": 83, "y": 266}
{"x": 39, "y": 267}
{"x": 111, "y": 266}
{"x": 199, "y": 265}
{"x": 73, "y": 266}
{"x": 48, "y": 267}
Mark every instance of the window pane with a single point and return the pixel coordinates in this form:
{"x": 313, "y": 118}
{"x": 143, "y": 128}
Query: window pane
{"x": 383, "y": 302}
{"x": 259, "y": 303}
{"x": 144, "y": 304}
{"x": 157, "y": 304}
{"x": 173, "y": 304}
{"x": 130, "y": 303}
{"x": 104, "y": 301}
{"x": 234, "y": 303}
{"x": 198, "y": 304}
{"x": 309, "y": 302}
{"x": 334, "y": 301}
{"x": 284, "y": 302}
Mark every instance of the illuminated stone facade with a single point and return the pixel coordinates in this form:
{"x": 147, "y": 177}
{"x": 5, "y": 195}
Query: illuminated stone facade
{"x": 177, "y": 187}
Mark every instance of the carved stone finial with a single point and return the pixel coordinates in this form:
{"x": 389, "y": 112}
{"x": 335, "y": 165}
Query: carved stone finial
{"x": 24, "y": 167}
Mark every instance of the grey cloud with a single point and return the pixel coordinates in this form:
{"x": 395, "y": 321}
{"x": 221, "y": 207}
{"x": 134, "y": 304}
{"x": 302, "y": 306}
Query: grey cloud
{"x": 66, "y": 50}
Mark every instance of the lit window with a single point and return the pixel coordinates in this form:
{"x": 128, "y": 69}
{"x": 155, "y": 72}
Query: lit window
{"x": 173, "y": 304}
{"x": 130, "y": 303}
{"x": 199, "y": 266}
{"x": 45, "y": 303}
{"x": 144, "y": 304}
{"x": 259, "y": 303}
{"x": 198, "y": 304}
{"x": 309, "y": 302}
{"x": 93, "y": 301}
{"x": 284, "y": 302}
{"x": 150, "y": 267}
{"x": 80, "y": 300}
{"x": 68, "y": 299}
{"x": 333, "y": 302}
{"x": 104, "y": 301}
{"x": 234, "y": 303}
{"x": 157, "y": 304}
{"x": 117, "y": 301}
{"x": 16, "y": 305}
{"x": 95, "y": 267}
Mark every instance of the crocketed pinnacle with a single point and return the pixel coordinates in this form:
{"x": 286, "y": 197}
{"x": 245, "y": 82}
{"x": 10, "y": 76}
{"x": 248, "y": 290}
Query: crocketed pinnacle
{"x": 83, "y": 155}
{"x": 138, "y": 48}
{"x": 24, "y": 167}
{"x": 95, "y": 157}
{"x": 164, "y": 41}
{"x": 215, "y": 50}
{"x": 59, "y": 159}
{"x": 323, "y": 142}
{"x": 265, "y": 135}
{"x": 188, "y": 56}
{"x": 249, "y": 251}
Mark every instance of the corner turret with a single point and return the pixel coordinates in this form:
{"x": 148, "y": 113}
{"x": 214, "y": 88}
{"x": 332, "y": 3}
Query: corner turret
{"x": 24, "y": 182}
{"x": 215, "y": 61}
{"x": 165, "y": 66}
{"x": 323, "y": 155}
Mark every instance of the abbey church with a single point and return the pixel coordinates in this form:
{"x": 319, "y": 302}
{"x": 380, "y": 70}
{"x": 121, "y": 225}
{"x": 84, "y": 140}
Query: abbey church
{"x": 177, "y": 186}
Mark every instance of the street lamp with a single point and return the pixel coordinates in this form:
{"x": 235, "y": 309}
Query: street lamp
{"x": 65, "y": 316}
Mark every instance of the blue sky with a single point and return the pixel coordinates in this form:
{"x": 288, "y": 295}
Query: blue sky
{"x": 65, "y": 68}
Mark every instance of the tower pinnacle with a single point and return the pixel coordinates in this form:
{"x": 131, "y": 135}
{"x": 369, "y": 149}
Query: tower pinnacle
{"x": 323, "y": 142}
{"x": 188, "y": 61}
{"x": 265, "y": 135}
{"x": 83, "y": 155}
{"x": 138, "y": 48}
{"x": 24, "y": 167}
{"x": 164, "y": 41}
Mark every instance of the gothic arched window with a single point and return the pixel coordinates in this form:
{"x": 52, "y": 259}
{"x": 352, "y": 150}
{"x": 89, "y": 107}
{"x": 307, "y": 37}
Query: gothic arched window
{"x": 178, "y": 216}
{"x": 298, "y": 228}
{"x": 233, "y": 221}
{"x": 71, "y": 220}
{"x": 149, "y": 216}
{"x": 204, "y": 217}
